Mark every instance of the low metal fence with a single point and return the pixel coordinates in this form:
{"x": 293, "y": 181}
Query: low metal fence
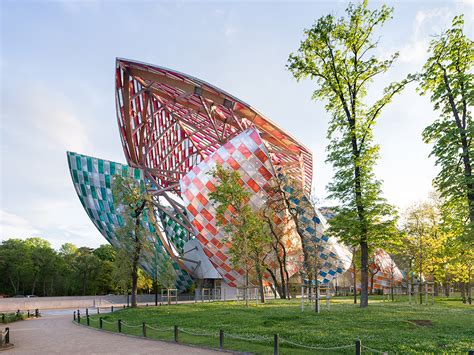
{"x": 174, "y": 334}
{"x": 11, "y": 317}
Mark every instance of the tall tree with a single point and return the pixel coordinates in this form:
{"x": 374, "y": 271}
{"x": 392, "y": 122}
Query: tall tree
{"x": 448, "y": 77}
{"x": 423, "y": 234}
{"x": 244, "y": 227}
{"x": 338, "y": 55}
{"x": 87, "y": 266}
{"x": 136, "y": 207}
{"x": 271, "y": 213}
{"x": 15, "y": 265}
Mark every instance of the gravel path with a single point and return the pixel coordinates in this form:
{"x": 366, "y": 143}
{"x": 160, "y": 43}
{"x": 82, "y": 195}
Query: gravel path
{"x": 58, "y": 335}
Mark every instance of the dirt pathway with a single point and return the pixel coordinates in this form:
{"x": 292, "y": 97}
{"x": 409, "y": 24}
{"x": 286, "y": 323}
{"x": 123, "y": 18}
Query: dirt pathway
{"x": 58, "y": 335}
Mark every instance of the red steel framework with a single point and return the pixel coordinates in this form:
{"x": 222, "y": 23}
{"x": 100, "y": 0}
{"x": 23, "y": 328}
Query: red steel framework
{"x": 170, "y": 121}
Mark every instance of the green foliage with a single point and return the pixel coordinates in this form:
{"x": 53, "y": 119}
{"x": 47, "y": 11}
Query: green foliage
{"x": 245, "y": 229}
{"x": 31, "y": 266}
{"x": 384, "y": 327}
{"x": 423, "y": 236}
{"x": 136, "y": 207}
{"x": 339, "y": 55}
{"x": 168, "y": 278}
{"x": 448, "y": 78}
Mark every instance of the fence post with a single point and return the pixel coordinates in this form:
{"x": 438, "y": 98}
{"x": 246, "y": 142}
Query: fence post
{"x": 221, "y": 339}
{"x": 7, "y": 335}
{"x": 426, "y": 293}
{"x": 87, "y": 312}
{"x": 98, "y": 310}
{"x": 328, "y": 295}
{"x": 78, "y": 316}
{"x": 144, "y": 329}
{"x": 100, "y": 323}
{"x": 28, "y": 313}
{"x": 3, "y": 317}
{"x": 119, "y": 325}
{"x": 302, "y": 298}
{"x": 276, "y": 345}
{"x": 73, "y": 318}
{"x": 37, "y": 312}
{"x": 87, "y": 317}
{"x": 111, "y": 309}
{"x": 409, "y": 293}
{"x": 176, "y": 332}
{"x": 358, "y": 347}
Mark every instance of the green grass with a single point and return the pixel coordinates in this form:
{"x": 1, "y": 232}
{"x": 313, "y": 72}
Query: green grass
{"x": 381, "y": 326}
{"x": 13, "y": 317}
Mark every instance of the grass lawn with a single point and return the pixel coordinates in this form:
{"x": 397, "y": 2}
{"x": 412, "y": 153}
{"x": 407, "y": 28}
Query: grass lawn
{"x": 382, "y": 326}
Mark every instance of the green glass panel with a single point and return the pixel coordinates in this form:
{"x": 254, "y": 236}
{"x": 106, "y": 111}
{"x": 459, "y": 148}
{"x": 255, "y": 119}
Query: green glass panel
{"x": 89, "y": 164}
{"x": 78, "y": 162}
{"x": 94, "y": 193}
{"x": 74, "y": 177}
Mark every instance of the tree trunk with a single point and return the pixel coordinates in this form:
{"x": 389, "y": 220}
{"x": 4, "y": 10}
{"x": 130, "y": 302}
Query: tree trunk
{"x": 33, "y": 287}
{"x": 391, "y": 286}
{"x": 15, "y": 286}
{"x": 276, "y": 288}
{"x": 134, "y": 282}
{"x": 372, "y": 283}
{"x": 260, "y": 282}
{"x": 282, "y": 287}
{"x": 355, "y": 282}
{"x": 464, "y": 146}
{"x": 355, "y": 275}
{"x": 246, "y": 286}
{"x": 364, "y": 275}
{"x": 84, "y": 284}
{"x": 287, "y": 279}
{"x": 462, "y": 286}
{"x": 317, "y": 305}
{"x": 469, "y": 295}
{"x": 282, "y": 273}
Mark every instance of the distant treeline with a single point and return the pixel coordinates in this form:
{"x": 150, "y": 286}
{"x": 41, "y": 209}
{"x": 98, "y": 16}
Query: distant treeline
{"x": 33, "y": 267}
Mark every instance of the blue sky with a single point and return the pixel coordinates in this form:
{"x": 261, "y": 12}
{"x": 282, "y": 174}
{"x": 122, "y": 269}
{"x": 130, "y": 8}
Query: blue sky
{"x": 57, "y": 90}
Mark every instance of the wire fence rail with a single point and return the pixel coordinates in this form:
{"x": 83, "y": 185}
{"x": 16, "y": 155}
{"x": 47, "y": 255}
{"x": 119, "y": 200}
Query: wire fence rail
{"x": 19, "y": 315}
{"x": 274, "y": 341}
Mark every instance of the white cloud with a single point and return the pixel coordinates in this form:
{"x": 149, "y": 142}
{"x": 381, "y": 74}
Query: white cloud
{"x": 75, "y": 7}
{"x": 54, "y": 116}
{"x": 425, "y": 25}
{"x": 14, "y": 226}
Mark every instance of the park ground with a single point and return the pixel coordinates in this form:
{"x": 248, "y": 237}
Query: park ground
{"x": 57, "y": 334}
{"x": 447, "y": 326}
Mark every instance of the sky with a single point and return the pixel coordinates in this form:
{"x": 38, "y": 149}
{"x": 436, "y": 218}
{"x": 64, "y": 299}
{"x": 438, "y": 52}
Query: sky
{"x": 57, "y": 90}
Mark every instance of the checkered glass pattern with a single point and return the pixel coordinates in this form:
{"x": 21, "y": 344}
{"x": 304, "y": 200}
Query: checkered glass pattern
{"x": 247, "y": 154}
{"x": 175, "y": 232}
{"x": 388, "y": 273}
{"x": 92, "y": 179}
{"x": 335, "y": 258}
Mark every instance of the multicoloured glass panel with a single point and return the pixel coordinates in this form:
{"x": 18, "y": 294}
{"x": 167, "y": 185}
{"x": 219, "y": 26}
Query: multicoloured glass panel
{"x": 93, "y": 179}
